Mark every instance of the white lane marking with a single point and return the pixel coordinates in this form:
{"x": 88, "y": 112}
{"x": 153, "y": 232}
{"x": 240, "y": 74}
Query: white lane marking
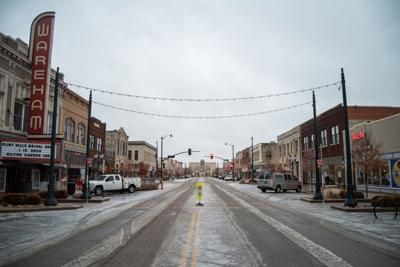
{"x": 132, "y": 227}
{"x": 99, "y": 251}
{"x": 111, "y": 243}
{"x": 322, "y": 254}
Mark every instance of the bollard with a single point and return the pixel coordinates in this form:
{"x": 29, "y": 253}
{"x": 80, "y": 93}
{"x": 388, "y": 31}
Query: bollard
{"x": 199, "y": 193}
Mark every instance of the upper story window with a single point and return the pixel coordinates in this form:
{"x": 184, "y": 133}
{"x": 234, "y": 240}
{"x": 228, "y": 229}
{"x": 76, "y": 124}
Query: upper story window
{"x": 324, "y": 138}
{"x": 129, "y": 154}
{"x": 91, "y": 142}
{"x": 20, "y": 116}
{"x": 69, "y": 129}
{"x": 122, "y": 148}
{"x": 305, "y": 143}
{"x": 136, "y": 155}
{"x": 335, "y": 135}
{"x": 80, "y": 139}
{"x": 312, "y": 142}
{"x": 99, "y": 144}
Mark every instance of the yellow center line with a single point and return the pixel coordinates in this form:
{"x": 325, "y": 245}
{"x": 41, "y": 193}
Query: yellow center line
{"x": 188, "y": 240}
{"x": 196, "y": 249}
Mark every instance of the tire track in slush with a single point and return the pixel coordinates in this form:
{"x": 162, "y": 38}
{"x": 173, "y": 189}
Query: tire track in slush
{"x": 322, "y": 254}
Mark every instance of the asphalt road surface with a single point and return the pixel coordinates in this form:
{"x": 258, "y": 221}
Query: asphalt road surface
{"x": 231, "y": 229}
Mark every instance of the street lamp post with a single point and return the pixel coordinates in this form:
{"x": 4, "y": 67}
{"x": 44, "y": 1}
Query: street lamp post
{"x": 162, "y": 144}
{"x": 317, "y": 193}
{"x": 233, "y": 159}
{"x": 350, "y": 200}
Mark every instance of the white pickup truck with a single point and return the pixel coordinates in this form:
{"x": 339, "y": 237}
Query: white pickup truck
{"x": 113, "y": 182}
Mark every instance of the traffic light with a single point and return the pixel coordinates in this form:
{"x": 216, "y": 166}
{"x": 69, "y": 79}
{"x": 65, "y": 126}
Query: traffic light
{"x": 189, "y": 151}
{"x": 211, "y": 156}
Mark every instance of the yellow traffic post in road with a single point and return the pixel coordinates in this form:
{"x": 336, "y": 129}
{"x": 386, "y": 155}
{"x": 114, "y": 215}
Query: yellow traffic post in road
{"x": 199, "y": 193}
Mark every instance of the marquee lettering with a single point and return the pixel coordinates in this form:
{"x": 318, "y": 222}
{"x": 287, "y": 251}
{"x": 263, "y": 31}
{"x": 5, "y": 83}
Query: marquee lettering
{"x": 43, "y": 30}
{"x": 40, "y": 56}
{"x": 35, "y": 122}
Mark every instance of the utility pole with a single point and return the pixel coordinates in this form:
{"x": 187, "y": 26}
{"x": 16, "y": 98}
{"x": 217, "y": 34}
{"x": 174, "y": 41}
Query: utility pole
{"x": 233, "y": 163}
{"x": 317, "y": 193}
{"x": 252, "y": 161}
{"x": 86, "y": 193}
{"x": 350, "y": 200}
{"x": 50, "y": 199}
{"x": 156, "y": 158}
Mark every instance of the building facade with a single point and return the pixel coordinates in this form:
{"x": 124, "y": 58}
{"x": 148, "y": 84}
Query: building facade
{"x": 74, "y": 118}
{"x": 265, "y": 156}
{"x": 141, "y": 155}
{"x": 97, "y": 146}
{"x": 242, "y": 163}
{"x": 330, "y": 125}
{"x": 24, "y": 160}
{"x": 384, "y": 136}
{"x": 289, "y": 152}
{"x": 202, "y": 168}
{"x": 117, "y": 143}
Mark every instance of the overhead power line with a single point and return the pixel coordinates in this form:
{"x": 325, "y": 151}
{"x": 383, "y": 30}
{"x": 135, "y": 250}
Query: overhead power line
{"x": 336, "y": 84}
{"x": 201, "y": 117}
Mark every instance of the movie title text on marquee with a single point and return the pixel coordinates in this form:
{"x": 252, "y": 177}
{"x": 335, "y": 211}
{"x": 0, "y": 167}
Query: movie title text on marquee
{"x": 25, "y": 150}
{"x": 40, "y": 54}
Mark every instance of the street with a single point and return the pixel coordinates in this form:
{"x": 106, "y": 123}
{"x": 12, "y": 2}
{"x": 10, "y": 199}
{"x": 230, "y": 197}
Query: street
{"x": 233, "y": 228}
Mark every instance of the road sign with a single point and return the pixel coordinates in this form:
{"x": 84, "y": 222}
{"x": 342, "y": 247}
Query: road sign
{"x": 320, "y": 162}
{"x": 89, "y": 162}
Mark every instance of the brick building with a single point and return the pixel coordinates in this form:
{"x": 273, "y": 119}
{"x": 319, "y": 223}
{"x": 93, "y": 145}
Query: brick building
{"x": 97, "y": 146}
{"x": 330, "y": 125}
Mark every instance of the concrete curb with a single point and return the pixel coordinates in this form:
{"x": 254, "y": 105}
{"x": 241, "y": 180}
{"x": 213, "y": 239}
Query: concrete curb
{"x": 36, "y": 209}
{"x": 74, "y": 200}
{"x": 362, "y": 209}
{"x": 331, "y": 200}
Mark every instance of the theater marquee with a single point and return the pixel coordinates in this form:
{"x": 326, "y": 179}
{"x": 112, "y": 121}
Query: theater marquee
{"x": 17, "y": 150}
{"x": 41, "y": 41}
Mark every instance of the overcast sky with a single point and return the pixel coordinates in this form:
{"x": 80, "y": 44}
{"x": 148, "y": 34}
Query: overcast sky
{"x": 218, "y": 49}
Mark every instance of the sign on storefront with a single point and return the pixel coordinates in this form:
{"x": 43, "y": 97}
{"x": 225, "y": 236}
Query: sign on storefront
{"x": 25, "y": 150}
{"x": 395, "y": 172}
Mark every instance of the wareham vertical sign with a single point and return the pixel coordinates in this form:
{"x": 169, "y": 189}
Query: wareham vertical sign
{"x": 41, "y": 41}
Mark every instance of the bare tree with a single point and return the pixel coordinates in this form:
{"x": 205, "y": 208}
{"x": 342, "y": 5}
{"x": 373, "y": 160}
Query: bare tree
{"x": 366, "y": 155}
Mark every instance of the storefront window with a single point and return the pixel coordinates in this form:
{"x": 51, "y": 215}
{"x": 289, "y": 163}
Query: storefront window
{"x": 35, "y": 178}
{"x": 3, "y": 173}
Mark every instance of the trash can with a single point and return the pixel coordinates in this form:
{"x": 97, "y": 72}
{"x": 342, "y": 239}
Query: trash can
{"x": 71, "y": 187}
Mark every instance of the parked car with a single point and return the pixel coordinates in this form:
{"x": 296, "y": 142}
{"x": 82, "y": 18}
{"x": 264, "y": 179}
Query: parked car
{"x": 228, "y": 178}
{"x": 113, "y": 182}
{"x": 221, "y": 177}
{"x": 278, "y": 182}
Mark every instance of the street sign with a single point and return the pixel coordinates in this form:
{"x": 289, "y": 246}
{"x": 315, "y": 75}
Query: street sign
{"x": 320, "y": 162}
{"x": 89, "y": 162}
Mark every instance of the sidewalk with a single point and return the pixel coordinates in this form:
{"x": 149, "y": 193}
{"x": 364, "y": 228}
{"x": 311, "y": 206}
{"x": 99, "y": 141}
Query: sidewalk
{"x": 385, "y": 227}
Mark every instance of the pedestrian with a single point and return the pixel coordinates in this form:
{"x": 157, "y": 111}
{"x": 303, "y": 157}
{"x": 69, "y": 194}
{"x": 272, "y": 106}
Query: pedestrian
{"x": 161, "y": 184}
